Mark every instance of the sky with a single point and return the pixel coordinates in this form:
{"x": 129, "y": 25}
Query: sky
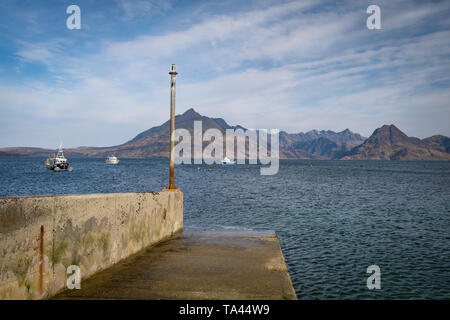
{"x": 288, "y": 65}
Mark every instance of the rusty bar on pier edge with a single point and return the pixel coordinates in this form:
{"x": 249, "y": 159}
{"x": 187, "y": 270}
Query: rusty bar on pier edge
{"x": 41, "y": 261}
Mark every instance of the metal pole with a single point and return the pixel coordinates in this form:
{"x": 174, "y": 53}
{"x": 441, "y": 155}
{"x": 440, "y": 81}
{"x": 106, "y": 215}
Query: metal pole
{"x": 173, "y": 74}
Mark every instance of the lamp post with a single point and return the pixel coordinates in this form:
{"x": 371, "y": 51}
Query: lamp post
{"x": 173, "y": 74}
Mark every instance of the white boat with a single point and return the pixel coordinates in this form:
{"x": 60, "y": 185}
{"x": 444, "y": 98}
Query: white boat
{"x": 112, "y": 160}
{"x": 227, "y": 161}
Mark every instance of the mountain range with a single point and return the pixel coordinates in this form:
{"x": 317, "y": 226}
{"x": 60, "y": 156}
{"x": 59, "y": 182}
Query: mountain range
{"x": 386, "y": 143}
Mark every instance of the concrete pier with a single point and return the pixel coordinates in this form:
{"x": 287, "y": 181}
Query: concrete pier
{"x": 196, "y": 265}
{"x": 41, "y": 236}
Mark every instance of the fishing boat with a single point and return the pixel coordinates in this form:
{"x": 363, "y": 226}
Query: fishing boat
{"x": 58, "y": 162}
{"x": 227, "y": 161}
{"x": 112, "y": 160}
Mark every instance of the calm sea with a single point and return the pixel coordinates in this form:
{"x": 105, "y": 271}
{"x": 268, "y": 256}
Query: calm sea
{"x": 334, "y": 218}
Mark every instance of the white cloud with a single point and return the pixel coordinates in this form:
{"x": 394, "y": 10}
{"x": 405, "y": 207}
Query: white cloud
{"x": 281, "y": 67}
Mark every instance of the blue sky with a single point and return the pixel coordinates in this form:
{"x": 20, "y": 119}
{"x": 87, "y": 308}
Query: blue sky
{"x": 290, "y": 65}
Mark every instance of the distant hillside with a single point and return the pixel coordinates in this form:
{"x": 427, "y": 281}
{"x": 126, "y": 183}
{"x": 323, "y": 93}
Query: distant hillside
{"x": 385, "y": 143}
{"x": 10, "y": 154}
{"x": 389, "y": 143}
{"x": 318, "y": 144}
{"x": 438, "y": 142}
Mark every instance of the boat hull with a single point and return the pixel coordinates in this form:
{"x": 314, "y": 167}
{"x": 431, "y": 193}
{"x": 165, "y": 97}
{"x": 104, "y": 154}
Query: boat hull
{"x": 51, "y": 165}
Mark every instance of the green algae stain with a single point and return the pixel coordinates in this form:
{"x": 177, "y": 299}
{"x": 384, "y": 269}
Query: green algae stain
{"x": 21, "y": 265}
{"x": 75, "y": 258}
{"x": 137, "y": 232}
{"x": 60, "y": 249}
{"x": 124, "y": 241}
{"x": 103, "y": 241}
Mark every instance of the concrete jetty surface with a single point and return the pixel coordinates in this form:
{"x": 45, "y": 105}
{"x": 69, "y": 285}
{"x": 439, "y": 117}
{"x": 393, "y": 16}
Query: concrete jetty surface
{"x": 196, "y": 265}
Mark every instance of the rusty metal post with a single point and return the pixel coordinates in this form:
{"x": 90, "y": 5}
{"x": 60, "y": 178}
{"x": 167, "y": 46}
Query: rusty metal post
{"x": 41, "y": 262}
{"x": 173, "y": 74}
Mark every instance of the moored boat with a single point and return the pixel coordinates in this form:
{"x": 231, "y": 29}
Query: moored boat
{"x": 58, "y": 162}
{"x": 112, "y": 160}
{"x": 227, "y": 161}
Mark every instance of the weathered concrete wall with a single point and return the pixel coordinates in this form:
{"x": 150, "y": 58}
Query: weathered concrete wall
{"x": 92, "y": 231}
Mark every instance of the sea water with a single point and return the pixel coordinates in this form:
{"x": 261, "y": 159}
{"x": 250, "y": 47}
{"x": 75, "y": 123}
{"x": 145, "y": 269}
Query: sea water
{"x": 333, "y": 218}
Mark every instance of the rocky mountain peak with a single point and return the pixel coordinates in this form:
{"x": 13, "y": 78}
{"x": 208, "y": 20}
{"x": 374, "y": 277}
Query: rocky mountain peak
{"x": 191, "y": 114}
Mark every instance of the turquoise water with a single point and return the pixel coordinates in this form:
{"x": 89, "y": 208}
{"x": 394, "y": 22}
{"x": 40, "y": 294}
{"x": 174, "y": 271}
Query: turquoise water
{"x": 334, "y": 218}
